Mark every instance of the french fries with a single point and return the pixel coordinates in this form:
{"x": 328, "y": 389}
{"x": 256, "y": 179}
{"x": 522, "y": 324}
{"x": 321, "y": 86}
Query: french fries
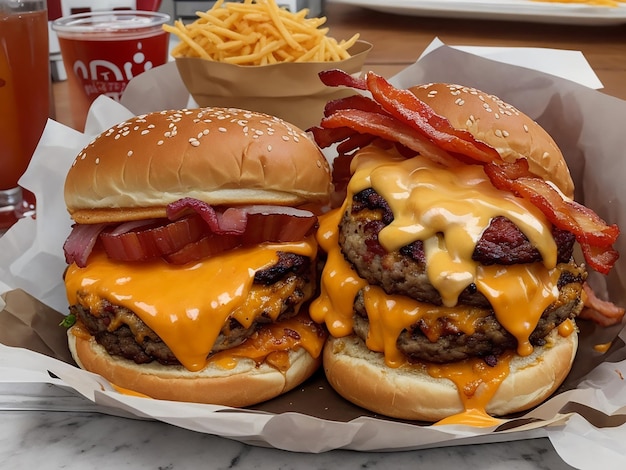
{"x": 600, "y": 3}
{"x": 257, "y": 32}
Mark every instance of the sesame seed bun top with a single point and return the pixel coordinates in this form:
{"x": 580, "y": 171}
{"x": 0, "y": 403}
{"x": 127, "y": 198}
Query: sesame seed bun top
{"x": 512, "y": 133}
{"x": 221, "y": 156}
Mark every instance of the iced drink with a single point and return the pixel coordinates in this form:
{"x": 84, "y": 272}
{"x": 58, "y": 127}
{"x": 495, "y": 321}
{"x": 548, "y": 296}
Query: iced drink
{"x": 103, "y": 51}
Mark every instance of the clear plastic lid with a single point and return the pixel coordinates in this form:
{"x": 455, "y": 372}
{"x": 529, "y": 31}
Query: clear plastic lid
{"x": 127, "y": 21}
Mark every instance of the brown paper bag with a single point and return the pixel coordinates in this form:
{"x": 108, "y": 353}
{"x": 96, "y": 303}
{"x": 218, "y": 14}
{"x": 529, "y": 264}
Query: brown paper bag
{"x": 289, "y": 90}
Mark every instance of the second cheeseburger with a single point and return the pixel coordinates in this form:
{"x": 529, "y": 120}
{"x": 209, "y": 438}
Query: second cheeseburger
{"x": 192, "y": 257}
{"x": 450, "y": 289}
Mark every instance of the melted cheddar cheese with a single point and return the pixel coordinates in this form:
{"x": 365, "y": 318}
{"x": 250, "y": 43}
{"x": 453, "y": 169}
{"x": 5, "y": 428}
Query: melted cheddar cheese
{"x": 448, "y": 211}
{"x": 187, "y": 305}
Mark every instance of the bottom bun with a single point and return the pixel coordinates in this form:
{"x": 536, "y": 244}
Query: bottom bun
{"x": 408, "y": 392}
{"x": 245, "y": 384}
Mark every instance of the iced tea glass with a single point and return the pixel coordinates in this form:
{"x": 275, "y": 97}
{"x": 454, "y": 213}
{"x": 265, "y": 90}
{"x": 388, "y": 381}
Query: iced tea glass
{"x": 24, "y": 96}
{"x": 103, "y": 50}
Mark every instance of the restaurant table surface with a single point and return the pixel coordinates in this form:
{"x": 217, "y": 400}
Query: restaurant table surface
{"x": 48, "y": 439}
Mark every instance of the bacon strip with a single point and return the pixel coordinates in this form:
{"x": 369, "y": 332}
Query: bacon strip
{"x": 80, "y": 242}
{"x": 406, "y": 107}
{"x": 183, "y": 237}
{"x": 592, "y": 233}
{"x": 181, "y": 207}
{"x": 386, "y": 127}
{"x": 336, "y": 77}
{"x": 603, "y": 312}
{"x": 294, "y": 223}
{"x": 353, "y": 102}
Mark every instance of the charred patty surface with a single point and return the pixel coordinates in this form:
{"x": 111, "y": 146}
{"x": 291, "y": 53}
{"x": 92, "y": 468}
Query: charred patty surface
{"x": 404, "y": 273}
{"x": 122, "y": 333}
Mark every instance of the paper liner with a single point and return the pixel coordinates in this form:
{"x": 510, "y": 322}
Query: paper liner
{"x": 586, "y": 416}
{"x": 289, "y": 90}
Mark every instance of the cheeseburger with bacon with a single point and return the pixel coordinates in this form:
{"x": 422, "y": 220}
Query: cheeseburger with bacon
{"x": 192, "y": 257}
{"x": 450, "y": 289}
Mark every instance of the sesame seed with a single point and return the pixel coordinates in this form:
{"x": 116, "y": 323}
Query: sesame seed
{"x": 97, "y": 160}
{"x": 130, "y": 153}
{"x": 269, "y": 148}
{"x": 160, "y": 142}
{"x": 285, "y": 138}
{"x": 222, "y": 129}
{"x": 525, "y": 128}
{"x": 145, "y": 131}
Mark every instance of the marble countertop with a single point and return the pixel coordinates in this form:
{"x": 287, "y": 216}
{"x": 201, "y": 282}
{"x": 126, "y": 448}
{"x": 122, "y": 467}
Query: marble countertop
{"x": 79, "y": 440}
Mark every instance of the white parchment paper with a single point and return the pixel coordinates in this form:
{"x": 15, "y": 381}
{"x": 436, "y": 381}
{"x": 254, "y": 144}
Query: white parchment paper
{"x": 584, "y": 423}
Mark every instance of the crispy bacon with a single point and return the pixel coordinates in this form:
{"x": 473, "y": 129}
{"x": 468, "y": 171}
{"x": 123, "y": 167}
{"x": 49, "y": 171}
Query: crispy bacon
{"x": 336, "y": 77}
{"x": 192, "y": 231}
{"x": 395, "y": 115}
{"x": 326, "y": 136}
{"x": 406, "y": 107}
{"x": 600, "y": 311}
{"x": 177, "y": 209}
{"x": 592, "y": 233}
{"x": 388, "y": 128}
{"x": 80, "y": 242}
{"x": 353, "y": 102}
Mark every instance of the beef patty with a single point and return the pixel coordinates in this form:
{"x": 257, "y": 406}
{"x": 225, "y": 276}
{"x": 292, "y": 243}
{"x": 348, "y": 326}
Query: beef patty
{"x": 403, "y": 272}
{"x": 122, "y": 333}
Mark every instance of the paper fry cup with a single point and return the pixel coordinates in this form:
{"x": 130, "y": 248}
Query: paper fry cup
{"x": 289, "y": 90}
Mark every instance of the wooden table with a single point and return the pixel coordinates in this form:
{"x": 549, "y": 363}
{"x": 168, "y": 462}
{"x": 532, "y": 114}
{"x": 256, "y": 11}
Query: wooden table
{"x": 399, "y": 40}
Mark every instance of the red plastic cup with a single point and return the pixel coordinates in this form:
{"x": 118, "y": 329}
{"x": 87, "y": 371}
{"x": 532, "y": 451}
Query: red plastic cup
{"x": 103, "y": 50}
